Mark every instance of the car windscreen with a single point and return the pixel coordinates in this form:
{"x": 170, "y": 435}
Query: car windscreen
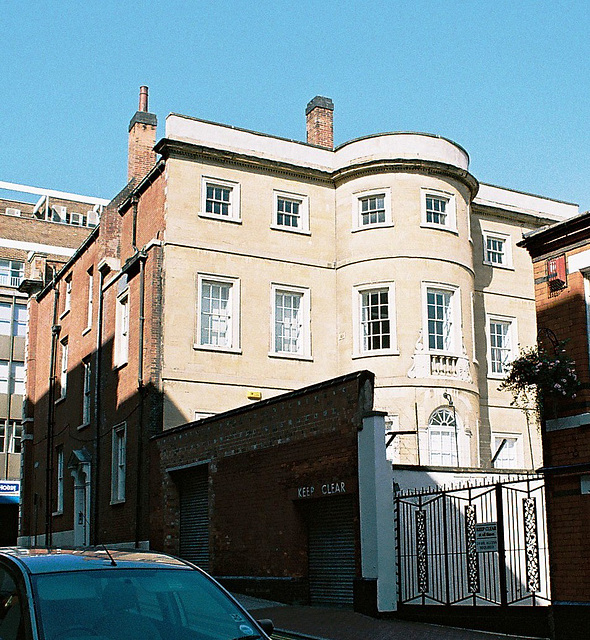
{"x": 136, "y": 604}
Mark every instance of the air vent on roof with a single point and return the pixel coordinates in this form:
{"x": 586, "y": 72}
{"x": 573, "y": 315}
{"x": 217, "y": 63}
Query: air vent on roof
{"x": 58, "y": 213}
{"x": 11, "y": 211}
{"x": 93, "y": 218}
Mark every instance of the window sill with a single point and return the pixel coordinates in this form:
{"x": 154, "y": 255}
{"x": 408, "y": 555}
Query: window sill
{"x": 376, "y": 353}
{"x": 210, "y": 216}
{"x": 57, "y": 513}
{"x": 212, "y": 349}
{"x": 290, "y": 356}
{"x": 301, "y": 232}
{"x": 440, "y": 227}
{"x": 87, "y": 330}
{"x": 497, "y": 376}
{"x": 60, "y": 399}
{"x": 381, "y": 225}
{"x": 83, "y": 426}
{"x": 120, "y": 365}
{"x": 64, "y": 314}
{"x": 495, "y": 265}
{"x": 114, "y": 502}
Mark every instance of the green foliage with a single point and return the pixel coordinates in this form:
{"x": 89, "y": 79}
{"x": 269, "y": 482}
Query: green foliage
{"x": 541, "y": 378}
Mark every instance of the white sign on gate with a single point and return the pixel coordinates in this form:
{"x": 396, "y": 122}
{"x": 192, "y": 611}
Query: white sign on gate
{"x": 486, "y": 536}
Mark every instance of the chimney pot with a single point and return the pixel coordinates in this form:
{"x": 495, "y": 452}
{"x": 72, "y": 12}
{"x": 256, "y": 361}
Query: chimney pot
{"x": 143, "y": 98}
{"x": 320, "y": 122}
{"x": 142, "y": 138}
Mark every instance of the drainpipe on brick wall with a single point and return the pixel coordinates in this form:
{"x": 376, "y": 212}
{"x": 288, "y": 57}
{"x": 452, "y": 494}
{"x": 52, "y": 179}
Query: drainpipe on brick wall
{"x": 134, "y": 223}
{"x": 140, "y": 388}
{"x": 55, "y": 329}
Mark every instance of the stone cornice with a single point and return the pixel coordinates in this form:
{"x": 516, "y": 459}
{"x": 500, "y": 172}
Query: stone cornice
{"x": 180, "y": 149}
{"x": 403, "y": 165}
{"x": 532, "y": 218}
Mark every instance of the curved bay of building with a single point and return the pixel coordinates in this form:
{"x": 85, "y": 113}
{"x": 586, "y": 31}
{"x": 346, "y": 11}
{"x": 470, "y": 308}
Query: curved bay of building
{"x": 420, "y": 258}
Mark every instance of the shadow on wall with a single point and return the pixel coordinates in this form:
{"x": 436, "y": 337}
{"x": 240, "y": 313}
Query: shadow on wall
{"x": 86, "y": 463}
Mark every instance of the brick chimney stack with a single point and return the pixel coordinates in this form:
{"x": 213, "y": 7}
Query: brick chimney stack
{"x": 142, "y": 138}
{"x": 320, "y": 122}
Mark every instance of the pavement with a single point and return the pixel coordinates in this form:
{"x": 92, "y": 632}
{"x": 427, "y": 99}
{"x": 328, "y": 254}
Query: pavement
{"x": 317, "y": 623}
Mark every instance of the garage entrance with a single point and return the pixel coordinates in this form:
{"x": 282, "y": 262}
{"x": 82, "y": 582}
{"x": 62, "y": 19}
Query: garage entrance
{"x": 194, "y": 515}
{"x": 331, "y": 551}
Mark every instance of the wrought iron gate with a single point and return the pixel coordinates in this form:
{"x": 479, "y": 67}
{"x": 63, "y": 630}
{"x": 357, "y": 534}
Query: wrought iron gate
{"x": 478, "y": 545}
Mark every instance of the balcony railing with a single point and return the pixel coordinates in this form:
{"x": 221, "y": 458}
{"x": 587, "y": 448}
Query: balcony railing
{"x": 443, "y": 366}
{"x": 10, "y": 280}
{"x": 427, "y": 364}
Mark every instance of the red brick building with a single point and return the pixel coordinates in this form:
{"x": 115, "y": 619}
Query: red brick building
{"x": 561, "y": 258}
{"x": 284, "y": 499}
{"x": 40, "y": 230}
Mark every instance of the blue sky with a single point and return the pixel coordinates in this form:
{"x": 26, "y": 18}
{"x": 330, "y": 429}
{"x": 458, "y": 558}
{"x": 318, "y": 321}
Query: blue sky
{"x": 508, "y": 80}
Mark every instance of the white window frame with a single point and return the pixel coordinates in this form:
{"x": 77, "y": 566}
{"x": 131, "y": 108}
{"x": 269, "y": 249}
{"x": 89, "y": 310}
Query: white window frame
{"x": 59, "y": 468}
{"x": 14, "y": 426}
{"x": 90, "y": 302}
{"x": 63, "y": 368}
{"x": 303, "y": 320}
{"x": 18, "y": 367}
{"x": 201, "y": 415}
{"x": 359, "y": 348}
{"x": 450, "y": 209}
{"x": 512, "y": 342}
{"x": 4, "y": 376}
{"x": 357, "y": 200}
{"x": 68, "y": 294}
{"x": 87, "y": 392}
{"x": 303, "y": 217}
{"x": 454, "y": 347}
{"x": 8, "y": 269}
{"x": 506, "y": 254}
{"x": 18, "y": 322}
{"x": 436, "y": 456}
{"x": 122, "y": 329}
{"x": 5, "y": 318}
{"x": 12, "y": 324}
{"x": 514, "y": 443}
{"x": 119, "y": 463}
{"x": 232, "y": 314}
{"x": 234, "y": 199}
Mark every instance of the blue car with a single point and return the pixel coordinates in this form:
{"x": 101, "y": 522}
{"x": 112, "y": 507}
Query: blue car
{"x": 115, "y": 595}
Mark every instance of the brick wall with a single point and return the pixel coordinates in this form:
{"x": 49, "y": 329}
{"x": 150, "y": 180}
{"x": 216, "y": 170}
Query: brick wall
{"x": 257, "y": 457}
{"x": 564, "y": 313}
{"x": 566, "y": 451}
{"x": 121, "y": 398}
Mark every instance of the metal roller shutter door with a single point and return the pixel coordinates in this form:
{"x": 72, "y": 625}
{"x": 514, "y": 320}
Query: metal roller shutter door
{"x": 331, "y": 552}
{"x": 194, "y": 518}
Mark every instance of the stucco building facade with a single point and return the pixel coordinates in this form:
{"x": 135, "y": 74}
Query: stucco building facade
{"x": 240, "y": 266}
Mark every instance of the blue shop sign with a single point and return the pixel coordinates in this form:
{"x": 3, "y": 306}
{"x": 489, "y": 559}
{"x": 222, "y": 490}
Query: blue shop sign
{"x": 9, "y": 491}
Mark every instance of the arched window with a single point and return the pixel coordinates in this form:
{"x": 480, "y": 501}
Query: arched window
{"x": 442, "y": 440}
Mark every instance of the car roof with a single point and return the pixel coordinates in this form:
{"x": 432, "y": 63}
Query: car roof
{"x": 53, "y": 560}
